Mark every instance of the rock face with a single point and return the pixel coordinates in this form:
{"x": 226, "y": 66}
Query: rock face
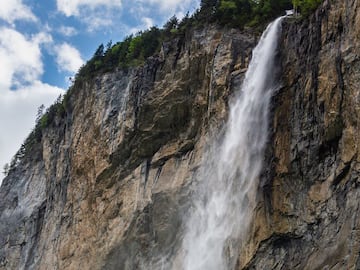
{"x": 309, "y": 217}
{"x": 107, "y": 187}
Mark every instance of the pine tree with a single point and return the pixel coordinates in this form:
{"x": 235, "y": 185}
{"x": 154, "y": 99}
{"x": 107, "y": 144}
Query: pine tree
{"x": 6, "y": 169}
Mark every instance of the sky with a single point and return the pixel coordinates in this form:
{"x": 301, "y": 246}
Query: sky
{"x": 44, "y": 42}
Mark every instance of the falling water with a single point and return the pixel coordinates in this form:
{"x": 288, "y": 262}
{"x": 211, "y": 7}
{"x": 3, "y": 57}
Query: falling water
{"x": 229, "y": 176}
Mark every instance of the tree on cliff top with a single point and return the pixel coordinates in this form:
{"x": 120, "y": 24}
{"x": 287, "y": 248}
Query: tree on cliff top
{"x": 305, "y": 6}
{"x": 239, "y": 13}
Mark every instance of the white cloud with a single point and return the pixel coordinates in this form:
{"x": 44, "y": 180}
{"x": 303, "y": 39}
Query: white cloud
{"x": 42, "y": 38}
{"x": 98, "y": 20}
{"x": 146, "y": 24}
{"x": 95, "y": 14}
{"x": 161, "y": 10}
{"x": 21, "y": 68}
{"x": 17, "y": 115}
{"x": 68, "y": 31}
{"x": 172, "y": 6}
{"x": 74, "y": 7}
{"x": 12, "y": 10}
{"x": 68, "y": 58}
{"x": 169, "y": 4}
{"x": 20, "y": 57}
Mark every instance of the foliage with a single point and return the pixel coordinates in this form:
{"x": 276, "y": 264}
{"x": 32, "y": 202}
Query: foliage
{"x": 57, "y": 109}
{"x": 235, "y": 13}
{"x": 40, "y": 112}
{"x": 171, "y": 24}
{"x": 6, "y": 169}
{"x": 135, "y": 49}
{"x": 43, "y": 121}
{"x": 25, "y": 149}
{"x": 240, "y": 13}
{"x": 306, "y": 6}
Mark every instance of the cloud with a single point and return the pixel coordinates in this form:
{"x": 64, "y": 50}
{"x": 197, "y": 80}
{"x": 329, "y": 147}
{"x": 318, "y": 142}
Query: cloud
{"x": 98, "y": 20}
{"x": 160, "y": 10}
{"x": 146, "y": 24}
{"x": 20, "y": 57}
{"x": 68, "y": 58}
{"x": 68, "y": 31}
{"x": 17, "y": 115}
{"x": 21, "y": 91}
{"x": 75, "y": 7}
{"x": 12, "y": 10}
{"x": 95, "y": 14}
{"x": 170, "y": 7}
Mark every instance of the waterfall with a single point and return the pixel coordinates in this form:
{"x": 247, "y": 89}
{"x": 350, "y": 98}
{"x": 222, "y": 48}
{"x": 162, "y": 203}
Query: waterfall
{"x": 228, "y": 178}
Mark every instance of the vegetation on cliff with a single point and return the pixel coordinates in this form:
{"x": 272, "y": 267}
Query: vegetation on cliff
{"x": 135, "y": 49}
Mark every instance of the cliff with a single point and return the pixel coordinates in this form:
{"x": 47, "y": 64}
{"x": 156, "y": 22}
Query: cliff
{"x": 309, "y": 218}
{"x": 108, "y": 185}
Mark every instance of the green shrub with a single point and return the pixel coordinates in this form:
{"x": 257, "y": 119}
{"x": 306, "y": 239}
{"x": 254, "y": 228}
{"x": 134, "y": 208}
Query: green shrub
{"x": 44, "y": 121}
{"x": 307, "y": 6}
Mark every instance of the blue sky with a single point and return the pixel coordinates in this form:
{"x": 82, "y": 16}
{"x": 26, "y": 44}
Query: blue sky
{"x": 44, "y": 42}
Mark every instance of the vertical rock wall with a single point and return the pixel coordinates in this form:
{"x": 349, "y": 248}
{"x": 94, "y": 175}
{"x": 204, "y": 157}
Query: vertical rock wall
{"x": 108, "y": 185}
{"x": 309, "y": 214}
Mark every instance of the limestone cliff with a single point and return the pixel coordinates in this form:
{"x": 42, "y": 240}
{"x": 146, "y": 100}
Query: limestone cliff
{"x": 107, "y": 186}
